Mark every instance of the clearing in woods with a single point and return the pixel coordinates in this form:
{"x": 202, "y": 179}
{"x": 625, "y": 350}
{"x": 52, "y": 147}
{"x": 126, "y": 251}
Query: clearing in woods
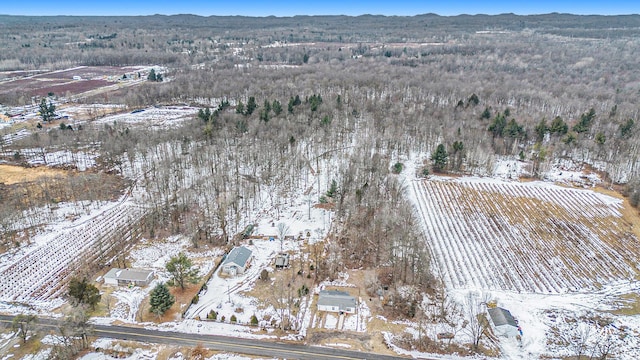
{"x": 11, "y": 174}
{"x": 525, "y": 237}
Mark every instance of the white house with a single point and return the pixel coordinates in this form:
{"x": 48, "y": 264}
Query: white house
{"x": 503, "y": 321}
{"x": 124, "y": 277}
{"x": 336, "y": 301}
{"x": 237, "y": 261}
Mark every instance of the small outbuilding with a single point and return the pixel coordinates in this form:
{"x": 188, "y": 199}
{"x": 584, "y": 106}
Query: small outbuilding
{"x": 282, "y": 261}
{"x": 126, "y": 277}
{"x": 336, "y": 301}
{"x": 237, "y": 261}
{"x": 504, "y": 322}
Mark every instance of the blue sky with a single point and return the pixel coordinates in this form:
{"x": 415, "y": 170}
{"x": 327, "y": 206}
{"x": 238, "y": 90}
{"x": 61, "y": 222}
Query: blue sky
{"x": 315, "y": 7}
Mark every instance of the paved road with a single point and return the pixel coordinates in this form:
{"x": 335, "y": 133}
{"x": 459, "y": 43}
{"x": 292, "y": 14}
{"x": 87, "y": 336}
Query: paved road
{"x": 222, "y": 343}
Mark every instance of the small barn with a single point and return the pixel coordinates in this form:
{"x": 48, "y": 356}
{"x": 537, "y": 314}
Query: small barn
{"x": 503, "y": 321}
{"x": 282, "y": 261}
{"x": 336, "y": 301}
{"x": 237, "y": 261}
{"x": 125, "y": 277}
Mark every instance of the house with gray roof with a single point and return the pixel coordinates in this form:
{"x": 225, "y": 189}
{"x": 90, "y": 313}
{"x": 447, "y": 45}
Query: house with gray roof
{"x": 237, "y": 261}
{"x": 126, "y": 277}
{"x": 336, "y": 301}
{"x": 282, "y": 261}
{"x": 504, "y": 322}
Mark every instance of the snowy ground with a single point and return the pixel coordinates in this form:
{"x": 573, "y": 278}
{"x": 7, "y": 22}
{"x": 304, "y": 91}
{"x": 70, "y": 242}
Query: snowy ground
{"x": 35, "y": 272}
{"x": 303, "y": 223}
{"x": 552, "y": 324}
{"x": 139, "y": 351}
{"x": 158, "y": 117}
{"x": 82, "y": 160}
{"x": 223, "y": 294}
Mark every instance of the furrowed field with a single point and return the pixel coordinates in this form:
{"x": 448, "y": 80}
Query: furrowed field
{"x": 525, "y": 237}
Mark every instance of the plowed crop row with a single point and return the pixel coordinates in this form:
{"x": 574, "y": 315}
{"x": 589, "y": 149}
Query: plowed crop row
{"x": 525, "y": 237}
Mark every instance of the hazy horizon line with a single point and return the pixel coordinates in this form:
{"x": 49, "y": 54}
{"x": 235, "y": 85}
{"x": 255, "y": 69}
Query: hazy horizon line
{"x": 317, "y": 15}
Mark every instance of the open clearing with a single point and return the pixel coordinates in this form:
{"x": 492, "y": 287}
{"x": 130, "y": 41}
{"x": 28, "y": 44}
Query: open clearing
{"x": 10, "y": 174}
{"x": 525, "y": 237}
{"x": 72, "y": 81}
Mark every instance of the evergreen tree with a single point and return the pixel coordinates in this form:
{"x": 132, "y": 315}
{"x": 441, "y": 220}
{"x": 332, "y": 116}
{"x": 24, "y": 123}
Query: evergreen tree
{"x": 277, "y": 107}
{"x": 571, "y": 138}
{"x": 439, "y": 158}
{"x": 498, "y": 125}
{"x": 458, "y": 154}
{"x": 223, "y": 105}
{"x": 486, "y": 114}
{"x": 264, "y": 115}
{"x": 315, "y": 101}
{"x": 160, "y": 299}
{"x": 541, "y": 129}
{"x": 473, "y": 100}
{"x": 625, "y": 129}
{"x": 47, "y": 112}
{"x": 152, "y": 75}
{"x": 240, "y": 107}
{"x": 584, "y": 124}
{"x": 182, "y": 271}
{"x": 457, "y": 146}
{"x": 251, "y": 106}
{"x": 513, "y": 129}
{"x": 290, "y": 106}
{"x": 332, "y": 189}
{"x": 82, "y": 292}
{"x": 558, "y": 126}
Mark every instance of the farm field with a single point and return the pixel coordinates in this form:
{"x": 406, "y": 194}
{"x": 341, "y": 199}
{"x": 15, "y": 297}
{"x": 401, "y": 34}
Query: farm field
{"x": 74, "y": 81}
{"x": 40, "y": 273}
{"x": 525, "y": 237}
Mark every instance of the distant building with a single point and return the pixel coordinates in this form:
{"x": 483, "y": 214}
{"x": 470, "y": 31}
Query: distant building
{"x": 336, "y": 301}
{"x": 282, "y": 261}
{"x": 125, "y": 277}
{"x": 237, "y": 261}
{"x": 503, "y": 322}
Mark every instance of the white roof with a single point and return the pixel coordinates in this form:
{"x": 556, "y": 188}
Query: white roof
{"x": 128, "y": 274}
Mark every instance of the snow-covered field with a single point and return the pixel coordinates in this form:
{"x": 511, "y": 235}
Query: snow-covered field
{"x": 160, "y": 117}
{"x": 82, "y": 160}
{"x": 562, "y": 260}
{"x": 528, "y": 237}
{"x": 36, "y": 273}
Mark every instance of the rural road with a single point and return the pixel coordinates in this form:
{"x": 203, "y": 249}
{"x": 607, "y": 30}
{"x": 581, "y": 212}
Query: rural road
{"x": 221, "y": 343}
